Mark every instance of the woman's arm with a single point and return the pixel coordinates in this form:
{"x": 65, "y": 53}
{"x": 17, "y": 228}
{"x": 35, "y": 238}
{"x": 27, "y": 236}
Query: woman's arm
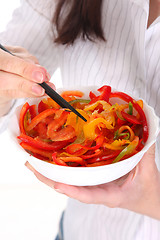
{"x": 139, "y": 191}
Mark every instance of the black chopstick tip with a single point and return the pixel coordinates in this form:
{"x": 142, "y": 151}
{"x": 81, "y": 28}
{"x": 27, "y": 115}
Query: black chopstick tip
{"x": 84, "y": 119}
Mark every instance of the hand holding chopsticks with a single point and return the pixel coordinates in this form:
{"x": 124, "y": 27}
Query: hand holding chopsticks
{"x": 53, "y": 94}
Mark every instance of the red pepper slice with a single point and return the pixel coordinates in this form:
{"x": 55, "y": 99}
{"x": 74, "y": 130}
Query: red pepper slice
{"x": 41, "y": 130}
{"x": 92, "y": 95}
{"x": 64, "y": 160}
{"x": 23, "y": 112}
{"x": 40, "y": 117}
{"x": 36, "y": 142}
{"x": 79, "y": 148}
{"x": 64, "y": 134}
{"x": 140, "y": 111}
{"x": 42, "y": 106}
{"x": 95, "y": 154}
{"x": 130, "y": 118}
{"x": 105, "y": 94}
{"x": 32, "y": 110}
{"x": 58, "y": 161}
{"x": 56, "y": 124}
{"x": 28, "y": 147}
{"x": 108, "y": 157}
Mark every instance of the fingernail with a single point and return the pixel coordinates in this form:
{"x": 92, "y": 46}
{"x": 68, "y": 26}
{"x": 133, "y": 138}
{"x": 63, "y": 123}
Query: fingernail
{"x": 38, "y": 76}
{"x": 37, "y": 90}
{"x": 48, "y": 76}
{"x": 29, "y": 166}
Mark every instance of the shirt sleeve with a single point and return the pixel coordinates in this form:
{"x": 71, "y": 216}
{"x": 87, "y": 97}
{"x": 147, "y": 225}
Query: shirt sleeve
{"x": 31, "y": 28}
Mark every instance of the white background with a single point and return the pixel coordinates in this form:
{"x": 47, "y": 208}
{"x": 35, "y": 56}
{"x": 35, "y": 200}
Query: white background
{"x": 28, "y": 208}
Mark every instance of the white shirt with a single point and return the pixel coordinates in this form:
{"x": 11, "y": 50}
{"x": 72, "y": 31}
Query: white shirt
{"x": 129, "y": 61}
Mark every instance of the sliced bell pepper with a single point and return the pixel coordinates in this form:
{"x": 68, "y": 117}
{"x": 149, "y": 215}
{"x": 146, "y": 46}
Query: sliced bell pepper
{"x": 64, "y": 160}
{"x": 81, "y": 149}
{"x": 40, "y": 117}
{"x": 127, "y": 150}
{"x": 38, "y": 143}
{"x": 80, "y": 101}
{"x": 137, "y": 107}
{"x": 58, "y": 161}
{"x": 105, "y": 94}
{"x": 56, "y": 124}
{"x": 41, "y": 130}
{"x": 23, "y": 112}
{"x": 91, "y": 107}
{"x": 109, "y": 157}
{"x": 92, "y": 155}
{"x": 32, "y": 110}
{"x": 130, "y": 105}
{"x": 64, "y": 134}
{"x": 91, "y": 95}
{"x": 130, "y": 118}
{"x": 75, "y": 93}
{"x": 42, "y": 106}
{"x": 75, "y": 122}
{"x": 90, "y": 127}
{"x": 126, "y": 127}
{"x": 28, "y": 147}
{"x": 116, "y": 145}
{"x": 50, "y": 102}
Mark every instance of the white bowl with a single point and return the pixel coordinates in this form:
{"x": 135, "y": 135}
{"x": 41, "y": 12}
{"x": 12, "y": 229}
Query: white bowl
{"x": 86, "y": 176}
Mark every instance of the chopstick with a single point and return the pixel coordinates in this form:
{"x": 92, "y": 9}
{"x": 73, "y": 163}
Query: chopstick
{"x": 53, "y": 94}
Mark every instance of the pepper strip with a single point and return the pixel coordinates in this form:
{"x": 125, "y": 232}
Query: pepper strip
{"x": 42, "y": 145}
{"x": 117, "y": 144}
{"x": 90, "y": 127}
{"x": 70, "y": 93}
{"x": 122, "y": 128}
{"x": 109, "y": 157}
{"x": 81, "y": 149}
{"x": 127, "y": 150}
{"x": 105, "y": 94}
{"x": 130, "y": 118}
{"x": 23, "y": 112}
{"x": 58, "y": 161}
{"x": 140, "y": 111}
{"x": 32, "y": 149}
{"x": 95, "y": 154}
{"x": 40, "y": 117}
{"x": 61, "y": 160}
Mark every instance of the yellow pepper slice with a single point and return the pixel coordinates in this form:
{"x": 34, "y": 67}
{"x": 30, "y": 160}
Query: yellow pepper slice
{"x": 106, "y": 106}
{"x": 76, "y": 122}
{"x": 117, "y": 144}
{"x": 125, "y": 127}
{"x": 90, "y": 127}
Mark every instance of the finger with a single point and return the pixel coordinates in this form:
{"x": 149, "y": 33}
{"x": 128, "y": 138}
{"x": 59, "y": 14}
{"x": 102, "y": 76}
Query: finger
{"x": 11, "y": 84}
{"x": 106, "y": 194}
{"x": 13, "y": 64}
{"x": 39, "y": 176}
{"x": 22, "y": 53}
